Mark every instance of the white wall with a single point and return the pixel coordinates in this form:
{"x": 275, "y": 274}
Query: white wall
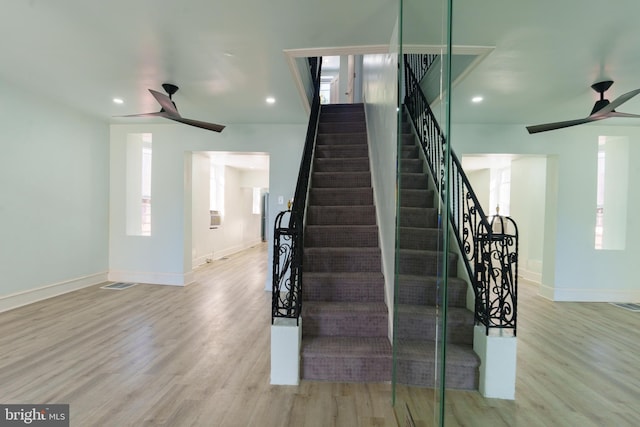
{"x": 480, "y": 180}
{"x": 528, "y": 186}
{"x": 53, "y": 209}
{"x": 166, "y": 256}
{"x": 380, "y": 96}
{"x": 572, "y": 269}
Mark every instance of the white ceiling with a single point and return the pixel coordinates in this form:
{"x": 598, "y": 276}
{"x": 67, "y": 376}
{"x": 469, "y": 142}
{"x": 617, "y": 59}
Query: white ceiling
{"x": 227, "y": 56}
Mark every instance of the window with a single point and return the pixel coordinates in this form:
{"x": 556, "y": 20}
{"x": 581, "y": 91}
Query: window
{"x": 138, "y": 184}
{"x": 500, "y": 191}
{"x": 216, "y": 193}
{"x": 256, "y": 200}
{"x": 611, "y": 193}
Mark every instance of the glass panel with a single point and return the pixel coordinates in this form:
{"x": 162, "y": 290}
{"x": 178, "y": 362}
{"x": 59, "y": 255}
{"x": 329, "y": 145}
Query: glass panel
{"x": 422, "y": 267}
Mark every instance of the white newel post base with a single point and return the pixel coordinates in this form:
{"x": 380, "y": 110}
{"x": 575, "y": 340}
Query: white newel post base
{"x": 286, "y": 338}
{"x": 498, "y": 363}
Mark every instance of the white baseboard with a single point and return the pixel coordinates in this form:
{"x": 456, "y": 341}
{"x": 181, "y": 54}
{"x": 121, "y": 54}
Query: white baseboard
{"x": 589, "y": 295}
{"x": 532, "y": 276}
{"x": 30, "y": 296}
{"x": 153, "y": 278}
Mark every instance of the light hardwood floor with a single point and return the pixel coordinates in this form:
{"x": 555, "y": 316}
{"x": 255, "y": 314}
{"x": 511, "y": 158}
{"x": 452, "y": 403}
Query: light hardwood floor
{"x": 200, "y": 356}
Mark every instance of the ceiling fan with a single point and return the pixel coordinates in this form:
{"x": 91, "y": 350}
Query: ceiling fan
{"x": 603, "y": 109}
{"x": 170, "y": 111}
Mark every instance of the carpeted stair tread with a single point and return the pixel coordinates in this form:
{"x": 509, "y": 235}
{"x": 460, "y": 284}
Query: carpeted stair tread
{"x": 343, "y": 286}
{"x": 329, "y": 318}
{"x": 416, "y": 365}
{"x": 418, "y": 217}
{"x": 346, "y": 359}
{"x": 457, "y": 354}
{"x": 419, "y": 322}
{"x": 347, "y": 346}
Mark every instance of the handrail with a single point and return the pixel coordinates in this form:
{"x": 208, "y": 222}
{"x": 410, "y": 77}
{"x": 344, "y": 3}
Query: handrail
{"x": 489, "y": 244}
{"x": 288, "y": 241}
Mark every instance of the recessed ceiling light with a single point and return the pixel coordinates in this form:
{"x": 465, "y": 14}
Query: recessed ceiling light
{"x": 477, "y": 99}
{"x": 228, "y": 54}
{"x": 271, "y": 100}
{"x": 118, "y": 101}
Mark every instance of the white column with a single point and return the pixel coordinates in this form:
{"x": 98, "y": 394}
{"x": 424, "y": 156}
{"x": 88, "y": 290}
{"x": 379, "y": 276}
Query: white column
{"x": 286, "y": 338}
{"x": 498, "y": 363}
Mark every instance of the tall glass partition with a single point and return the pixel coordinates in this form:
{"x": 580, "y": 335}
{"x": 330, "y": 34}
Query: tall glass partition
{"x": 425, "y": 265}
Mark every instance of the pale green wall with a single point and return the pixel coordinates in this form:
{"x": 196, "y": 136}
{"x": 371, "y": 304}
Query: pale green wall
{"x": 54, "y": 186}
{"x": 380, "y": 95}
{"x": 166, "y": 256}
{"x": 572, "y": 269}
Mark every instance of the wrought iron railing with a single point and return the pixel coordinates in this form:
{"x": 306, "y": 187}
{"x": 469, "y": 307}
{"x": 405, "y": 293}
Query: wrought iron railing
{"x": 489, "y": 244}
{"x": 288, "y": 237}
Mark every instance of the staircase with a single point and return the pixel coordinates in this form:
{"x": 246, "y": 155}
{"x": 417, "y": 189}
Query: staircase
{"x": 345, "y": 319}
{"x": 418, "y": 267}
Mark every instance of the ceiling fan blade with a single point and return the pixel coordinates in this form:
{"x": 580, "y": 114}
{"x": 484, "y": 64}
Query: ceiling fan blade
{"x": 616, "y": 103}
{"x": 166, "y": 103}
{"x": 559, "y": 125}
{"x": 197, "y": 123}
{"x": 158, "y": 114}
{"x": 618, "y": 114}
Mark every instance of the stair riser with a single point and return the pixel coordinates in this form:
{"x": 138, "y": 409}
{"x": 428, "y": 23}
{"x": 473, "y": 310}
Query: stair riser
{"x": 357, "y": 215}
{"x": 422, "y": 218}
{"x": 422, "y": 374}
{"x": 428, "y": 294}
{"x": 342, "y": 139}
{"x": 410, "y": 152}
{"x": 341, "y": 237}
{"x": 354, "y": 324}
{"x": 408, "y": 139}
{"x": 343, "y": 292}
{"x": 411, "y": 166}
{"x": 420, "y": 238}
{"x": 346, "y": 369}
{"x": 424, "y": 263}
{"x": 341, "y": 152}
{"x": 356, "y": 116}
{"x": 416, "y": 198}
{"x": 341, "y": 180}
{"x": 423, "y": 327}
{"x": 341, "y": 165}
{"x": 345, "y": 127}
{"x": 418, "y": 181}
{"x": 342, "y": 261}
{"x": 341, "y": 197}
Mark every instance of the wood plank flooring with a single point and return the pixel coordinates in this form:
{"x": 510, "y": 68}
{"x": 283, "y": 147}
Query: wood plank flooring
{"x": 578, "y": 365}
{"x": 171, "y": 356}
{"x": 200, "y": 356}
